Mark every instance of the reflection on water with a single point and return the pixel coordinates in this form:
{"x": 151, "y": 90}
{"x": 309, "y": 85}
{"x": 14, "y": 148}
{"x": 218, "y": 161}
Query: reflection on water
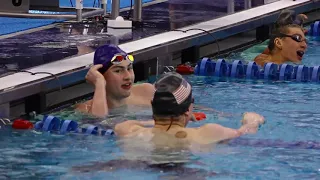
{"x": 166, "y": 170}
{"x": 159, "y": 148}
{"x": 116, "y": 115}
{"x": 145, "y": 154}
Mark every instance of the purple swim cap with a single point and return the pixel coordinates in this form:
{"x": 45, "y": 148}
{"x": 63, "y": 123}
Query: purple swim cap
{"x": 104, "y": 54}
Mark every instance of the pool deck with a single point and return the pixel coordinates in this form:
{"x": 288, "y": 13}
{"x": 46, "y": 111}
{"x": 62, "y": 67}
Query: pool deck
{"x": 68, "y": 52}
{"x": 66, "y": 39}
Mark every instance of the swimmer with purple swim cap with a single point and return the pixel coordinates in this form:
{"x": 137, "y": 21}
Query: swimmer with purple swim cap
{"x": 112, "y": 76}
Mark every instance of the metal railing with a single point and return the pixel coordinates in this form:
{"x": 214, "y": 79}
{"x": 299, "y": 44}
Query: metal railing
{"x": 79, "y": 12}
{"x": 137, "y": 9}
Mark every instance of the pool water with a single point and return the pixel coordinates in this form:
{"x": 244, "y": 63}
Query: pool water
{"x": 311, "y": 57}
{"x": 286, "y": 147}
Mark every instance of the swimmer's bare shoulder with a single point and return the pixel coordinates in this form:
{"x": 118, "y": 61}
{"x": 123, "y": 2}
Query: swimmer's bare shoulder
{"x": 262, "y": 59}
{"x": 130, "y": 128}
{"x": 141, "y": 94}
{"x": 144, "y": 89}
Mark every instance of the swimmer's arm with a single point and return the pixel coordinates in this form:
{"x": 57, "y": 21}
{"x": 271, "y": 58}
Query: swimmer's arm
{"x": 214, "y": 133}
{"x": 130, "y": 126}
{"x": 99, "y": 105}
{"x": 217, "y": 133}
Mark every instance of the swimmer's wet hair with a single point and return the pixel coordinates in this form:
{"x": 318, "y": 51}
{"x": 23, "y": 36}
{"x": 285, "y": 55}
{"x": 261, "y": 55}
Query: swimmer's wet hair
{"x": 172, "y": 97}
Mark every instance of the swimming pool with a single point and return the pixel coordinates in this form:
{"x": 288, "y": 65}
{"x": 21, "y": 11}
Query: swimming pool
{"x": 286, "y": 147}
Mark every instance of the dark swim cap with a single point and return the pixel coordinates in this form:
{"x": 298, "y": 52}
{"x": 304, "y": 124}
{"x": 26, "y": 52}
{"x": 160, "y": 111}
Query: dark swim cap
{"x": 104, "y": 54}
{"x": 173, "y": 95}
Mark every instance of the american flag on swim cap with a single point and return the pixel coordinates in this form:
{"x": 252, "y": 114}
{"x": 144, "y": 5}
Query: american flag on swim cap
{"x": 183, "y": 92}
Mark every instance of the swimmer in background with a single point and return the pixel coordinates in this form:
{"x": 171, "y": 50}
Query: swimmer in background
{"x": 287, "y": 41}
{"x": 172, "y": 106}
{"x": 287, "y": 44}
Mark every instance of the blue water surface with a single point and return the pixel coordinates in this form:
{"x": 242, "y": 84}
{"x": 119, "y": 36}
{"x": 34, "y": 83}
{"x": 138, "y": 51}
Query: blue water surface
{"x": 286, "y": 147}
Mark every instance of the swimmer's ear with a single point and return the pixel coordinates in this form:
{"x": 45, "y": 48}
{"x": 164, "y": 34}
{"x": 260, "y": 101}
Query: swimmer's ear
{"x": 187, "y": 114}
{"x": 278, "y": 43}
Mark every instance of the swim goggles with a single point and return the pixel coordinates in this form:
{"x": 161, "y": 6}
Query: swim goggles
{"x": 295, "y": 37}
{"x": 118, "y": 58}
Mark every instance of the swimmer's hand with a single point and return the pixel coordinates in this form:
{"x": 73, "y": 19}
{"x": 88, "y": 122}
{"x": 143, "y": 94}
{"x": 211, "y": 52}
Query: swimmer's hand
{"x": 303, "y": 16}
{"x": 252, "y": 118}
{"x": 94, "y": 76}
{"x": 250, "y": 123}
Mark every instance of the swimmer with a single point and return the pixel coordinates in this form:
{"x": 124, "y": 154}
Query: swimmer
{"x": 287, "y": 44}
{"x": 113, "y": 77}
{"x": 286, "y": 18}
{"x": 172, "y": 106}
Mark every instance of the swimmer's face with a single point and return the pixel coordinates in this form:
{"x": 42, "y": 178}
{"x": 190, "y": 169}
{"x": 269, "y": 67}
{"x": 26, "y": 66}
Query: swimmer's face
{"x": 119, "y": 79}
{"x": 292, "y": 48}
